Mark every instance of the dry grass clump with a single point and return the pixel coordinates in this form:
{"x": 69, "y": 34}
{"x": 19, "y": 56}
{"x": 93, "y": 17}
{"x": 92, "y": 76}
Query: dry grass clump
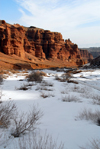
{"x": 1, "y": 96}
{"x": 54, "y": 68}
{"x": 45, "y": 83}
{"x": 94, "y": 144}
{"x": 6, "y": 113}
{"x": 45, "y": 95}
{"x": 83, "y": 90}
{"x": 76, "y": 71}
{"x": 96, "y": 99}
{"x": 58, "y": 78}
{"x": 64, "y": 92}
{"x": 1, "y": 79}
{"x": 43, "y": 73}
{"x": 25, "y": 86}
{"x": 43, "y": 88}
{"x": 71, "y": 99}
{"x": 89, "y": 115}
{"x": 64, "y": 77}
{"x": 26, "y": 122}
{"x": 35, "y": 76}
{"x": 14, "y": 71}
{"x": 34, "y": 141}
{"x": 72, "y": 81}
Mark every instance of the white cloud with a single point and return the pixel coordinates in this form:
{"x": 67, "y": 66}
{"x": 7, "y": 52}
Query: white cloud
{"x": 62, "y": 16}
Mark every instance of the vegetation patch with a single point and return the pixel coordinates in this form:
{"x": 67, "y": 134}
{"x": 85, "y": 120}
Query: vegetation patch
{"x": 71, "y": 99}
{"x": 90, "y": 115}
{"x": 35, "y": 76}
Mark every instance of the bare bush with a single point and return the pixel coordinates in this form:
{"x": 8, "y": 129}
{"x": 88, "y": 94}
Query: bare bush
{"x": 35, "y": 76}
{"x": 26, "y": 122}
{"x": 1, "y": 79}
{"x": 34, "y": 141}
{"x": 43, "y": 73}
{"x": 64, "y": 92}
{"x": 54, "y": 68}
{"x": 58, "y": 78}
{"x": 25, "y": 86}
{"x": 1, "y": 96}
{"x": 7, "y": 111}
{"x": 64, "y": 77}
{"x": 43, "y": 88}
{"x": 72, "y": 81}
{"x": 89, "y": 115}
{"x": 96, "y": 99}
{"x": 76, "y": 71}
{"x": 45, "y": 95}
{"x": 71, "y": 99}
{"x": 94, "y": 144}
{"x": 45, "y": 83}
{"x": 84, "y": 90}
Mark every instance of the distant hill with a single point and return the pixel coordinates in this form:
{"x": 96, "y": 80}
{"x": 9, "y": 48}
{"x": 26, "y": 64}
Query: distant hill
{"x": 95, "y": 51}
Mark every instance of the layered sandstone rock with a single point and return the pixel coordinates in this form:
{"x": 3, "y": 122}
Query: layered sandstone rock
{"x": 12, "y": 39}
{"x": 86, "y": 55}
{"x": 16, "y": 39}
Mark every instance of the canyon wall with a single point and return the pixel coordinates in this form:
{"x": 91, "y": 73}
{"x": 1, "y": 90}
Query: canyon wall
{"x": 43, "y": 44}
{"x": 86, "y": 56}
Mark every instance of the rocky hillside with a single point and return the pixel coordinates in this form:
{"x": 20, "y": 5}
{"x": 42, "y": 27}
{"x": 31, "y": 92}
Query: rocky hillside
{"x": 37, "y": 45}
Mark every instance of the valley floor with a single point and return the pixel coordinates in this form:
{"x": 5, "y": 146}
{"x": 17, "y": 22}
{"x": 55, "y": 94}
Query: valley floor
{"x": 62, "y": 104}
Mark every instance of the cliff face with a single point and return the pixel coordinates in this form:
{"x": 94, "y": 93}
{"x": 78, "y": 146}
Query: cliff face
{"x": 86, "y": 55}
{"x": 16, "y": 39}
{"x": 95, "y": 51}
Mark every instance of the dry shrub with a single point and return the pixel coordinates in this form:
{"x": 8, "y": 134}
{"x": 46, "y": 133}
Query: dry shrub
{"x": 64, "y": 92}
{"x": 26, "y": 122}
{"x": 25, "y": 86}
{"x": 35, "y": 76}
{"x": 1, "y": 79}
{"x": 96, "y": 99}
{"x": 84, "y": 90}
{"x": 54, "y": 68}
{"x": 72, "y": 81}
{"x": 76, "y": 71}
{"x": 43, "y": 88}
{"x": 45, "y": 95}
{"x": 7, "y": 110}
{"x": 14, "y": 71}
{"x": 43, "y": 73}
{"x": 1, "y": 96}
{"x": 45, "y": 83}
{"x": 34, "y": 141}
{"x": 94, "y": 144}
{"x": 71, "y": 99}
{"x": 57, "y": 78}
{"x": 89, "y": 115}
{"x": 64, "y": 77}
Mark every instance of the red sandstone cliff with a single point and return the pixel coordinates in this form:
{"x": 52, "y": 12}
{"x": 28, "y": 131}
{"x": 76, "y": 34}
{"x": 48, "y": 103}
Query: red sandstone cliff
{"x": 86, "y": 55}
{"x": 43, "y": 44}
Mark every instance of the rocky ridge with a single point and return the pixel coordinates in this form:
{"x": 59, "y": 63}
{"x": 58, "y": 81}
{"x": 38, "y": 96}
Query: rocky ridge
{"x": 30, "y": 42}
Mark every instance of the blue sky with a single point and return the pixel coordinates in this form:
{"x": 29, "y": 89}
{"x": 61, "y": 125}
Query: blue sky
{"x": 78, "y": 20}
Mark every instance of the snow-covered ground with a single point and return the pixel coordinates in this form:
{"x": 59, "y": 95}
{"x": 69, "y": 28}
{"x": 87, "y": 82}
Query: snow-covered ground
{"x": 60, "y": 118}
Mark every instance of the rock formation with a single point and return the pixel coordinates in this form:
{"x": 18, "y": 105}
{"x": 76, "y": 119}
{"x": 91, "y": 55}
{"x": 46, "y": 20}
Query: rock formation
{"x": 16, "y": 39}
{"x": 86, "y": 55}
